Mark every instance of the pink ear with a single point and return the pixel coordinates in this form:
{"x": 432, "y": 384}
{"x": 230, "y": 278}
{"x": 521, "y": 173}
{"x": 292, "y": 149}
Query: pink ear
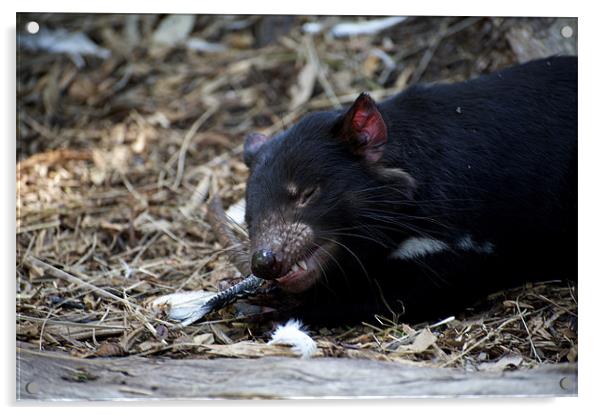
{"x": 364, "y": 129}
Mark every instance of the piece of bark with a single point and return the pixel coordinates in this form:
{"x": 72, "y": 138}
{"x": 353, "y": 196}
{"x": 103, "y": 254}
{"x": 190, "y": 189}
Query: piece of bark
{"x": 51, "y": 376}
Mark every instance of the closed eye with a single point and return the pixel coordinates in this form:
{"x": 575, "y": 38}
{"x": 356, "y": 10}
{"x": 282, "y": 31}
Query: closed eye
{"x": 307, "y": 195}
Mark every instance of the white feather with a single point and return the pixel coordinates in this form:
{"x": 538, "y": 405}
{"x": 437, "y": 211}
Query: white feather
{"x": 181, "y": 306}
{"x": 292, "y": 334}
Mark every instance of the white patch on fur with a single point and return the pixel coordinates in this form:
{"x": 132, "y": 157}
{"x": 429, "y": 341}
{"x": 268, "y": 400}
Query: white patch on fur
{"x": 418, "y": 247}
{"x": 292, "y": 334}
{"x": 467, "y": 244}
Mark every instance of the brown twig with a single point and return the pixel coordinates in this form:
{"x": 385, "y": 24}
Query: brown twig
{"x": 186, "y": 143}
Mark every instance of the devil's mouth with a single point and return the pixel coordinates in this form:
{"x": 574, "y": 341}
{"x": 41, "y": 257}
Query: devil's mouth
{"x": 304, "y": 273}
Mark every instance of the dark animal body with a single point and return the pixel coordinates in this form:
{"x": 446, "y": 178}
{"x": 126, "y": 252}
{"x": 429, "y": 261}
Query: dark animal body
{"x": 423, "y": 203}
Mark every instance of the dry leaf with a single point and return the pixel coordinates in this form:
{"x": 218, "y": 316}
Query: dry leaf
{"x": 240, "y": 40}
{"x": 149, "y": 345}
{"x": 109, "y": 349}
{"x": 173, "y": 29}
{"x": 572, "y": 354}
{"x": 422, "y": 342}
{"x": 205, "y": 338}
{"x": 370, "y": 65}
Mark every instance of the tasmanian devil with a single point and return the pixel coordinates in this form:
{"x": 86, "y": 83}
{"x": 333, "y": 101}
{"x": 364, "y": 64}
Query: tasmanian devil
{"x": 424, "y": 202}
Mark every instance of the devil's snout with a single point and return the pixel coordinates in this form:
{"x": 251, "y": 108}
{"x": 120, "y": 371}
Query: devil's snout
{"x": 264, "y": 264}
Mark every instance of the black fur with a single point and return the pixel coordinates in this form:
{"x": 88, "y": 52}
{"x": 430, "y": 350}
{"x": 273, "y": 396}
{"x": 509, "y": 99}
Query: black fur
{"x": 494, "y": 158}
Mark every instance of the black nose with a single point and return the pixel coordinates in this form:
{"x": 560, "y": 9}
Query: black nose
{"x": 264, "y": 264}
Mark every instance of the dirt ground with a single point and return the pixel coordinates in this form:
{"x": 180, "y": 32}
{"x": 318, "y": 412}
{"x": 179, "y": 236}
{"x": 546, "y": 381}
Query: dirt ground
{"x": 120, "y": 145}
